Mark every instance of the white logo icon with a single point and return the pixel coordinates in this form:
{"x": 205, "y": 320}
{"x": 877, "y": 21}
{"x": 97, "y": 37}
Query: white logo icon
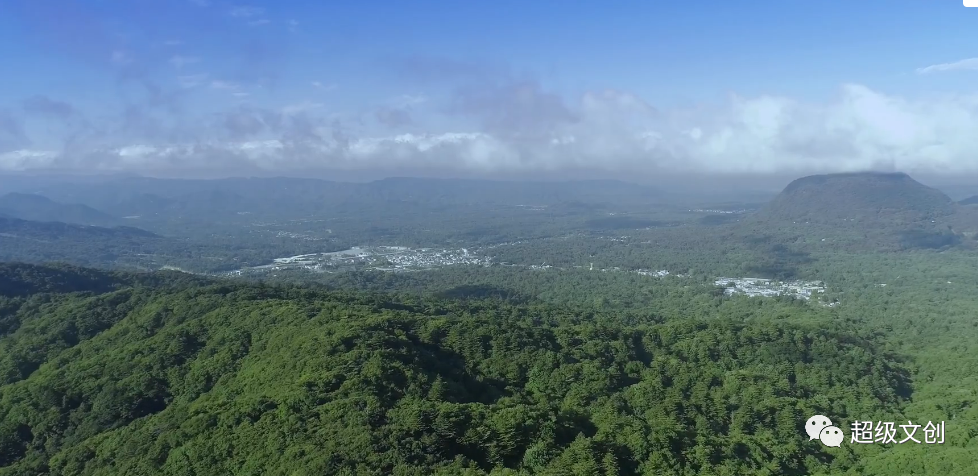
{"x": 971, "y": 3}
{"x": 815, "y": 424}
{"x": 821, "y": 428}
{"x": 831, "y": 436}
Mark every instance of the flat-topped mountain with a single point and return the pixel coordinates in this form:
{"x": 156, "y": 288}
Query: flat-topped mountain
{"x": 894, "y": 198}
{"x": 867, "y": 210}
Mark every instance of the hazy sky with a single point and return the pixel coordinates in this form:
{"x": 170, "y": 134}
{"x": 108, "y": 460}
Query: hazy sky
{"x": 501, "y": 87}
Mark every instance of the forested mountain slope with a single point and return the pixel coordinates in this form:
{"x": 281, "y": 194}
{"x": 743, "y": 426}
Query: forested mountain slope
{"x": 154, "y": 374}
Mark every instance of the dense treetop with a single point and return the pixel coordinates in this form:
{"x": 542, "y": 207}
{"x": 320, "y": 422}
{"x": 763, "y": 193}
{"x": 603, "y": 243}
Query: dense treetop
{"x": 224, "y": 378}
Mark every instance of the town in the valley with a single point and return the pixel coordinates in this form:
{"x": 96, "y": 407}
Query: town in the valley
{"x": 403, "y": 259}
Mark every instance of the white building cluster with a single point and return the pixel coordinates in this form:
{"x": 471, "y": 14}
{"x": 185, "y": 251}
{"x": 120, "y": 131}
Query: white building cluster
{"x": 753, "y": 287}
{"x": 385, "y": 258}
{"x": 725, "y": 212}
{"x": 657, "y": 274}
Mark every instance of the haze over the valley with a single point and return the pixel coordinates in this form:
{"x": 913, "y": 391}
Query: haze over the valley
{"x": 212, "y": 88}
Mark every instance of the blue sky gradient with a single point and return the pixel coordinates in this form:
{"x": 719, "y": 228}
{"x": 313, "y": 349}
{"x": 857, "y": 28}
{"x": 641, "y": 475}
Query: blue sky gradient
{"x": 750, "y": 86}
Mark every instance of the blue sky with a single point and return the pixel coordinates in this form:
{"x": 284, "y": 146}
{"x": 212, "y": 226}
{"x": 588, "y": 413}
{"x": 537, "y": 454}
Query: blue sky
{"x": 746, "y": 86}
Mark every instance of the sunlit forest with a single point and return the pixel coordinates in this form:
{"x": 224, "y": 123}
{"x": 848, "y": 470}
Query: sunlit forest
{"x": 108, "y": 373}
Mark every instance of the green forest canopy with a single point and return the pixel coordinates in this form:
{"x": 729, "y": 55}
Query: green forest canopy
{"x": 169, "y": 374}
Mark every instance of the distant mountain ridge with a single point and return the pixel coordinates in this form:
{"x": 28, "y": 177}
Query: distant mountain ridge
{"x": 34, "y": 207}
{"x": 972, "y": 200}
{"x": 298, "y": 197}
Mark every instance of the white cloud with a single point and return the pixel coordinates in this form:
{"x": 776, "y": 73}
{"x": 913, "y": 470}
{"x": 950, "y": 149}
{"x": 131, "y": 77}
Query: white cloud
{"x": 293, "y": 25}
{"x": 963, "y": 65}
{"x": 22, "y": 160}
{"x": 322, "y": 86}
{"x": 226, "y": 85}
{"x": 179, "y": 62}
{"x": 300, "y": 107}
{"x": 259, "y": 22}
{"x": 192, "y": 80}
{"x": 408, "y": 100}
{"x": 121, "y": 57}
{"x": 858, "y": 129}
{"x": 237, "y": 90}
{"x": 246, "y": 11}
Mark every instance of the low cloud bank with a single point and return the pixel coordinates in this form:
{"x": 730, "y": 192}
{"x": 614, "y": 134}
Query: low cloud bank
{"x": 520, "y": 128}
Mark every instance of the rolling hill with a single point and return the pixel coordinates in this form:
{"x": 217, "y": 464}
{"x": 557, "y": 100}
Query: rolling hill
{"x": 33, "y": 207}
{"x": 34, "y": 241}
{"x": 134, "y": 248}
